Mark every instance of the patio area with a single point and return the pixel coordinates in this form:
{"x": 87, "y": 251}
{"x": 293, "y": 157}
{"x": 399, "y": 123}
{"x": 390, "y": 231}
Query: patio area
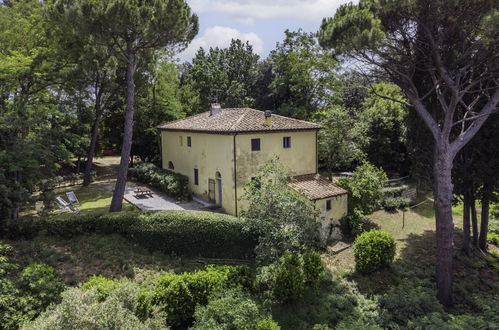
{"x": 157, "y": 200}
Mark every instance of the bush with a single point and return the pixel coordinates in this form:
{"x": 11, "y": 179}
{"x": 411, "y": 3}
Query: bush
{"x": 83, "y": 310}
{"x": 234, "y": 310}
{"x": 493, "y": 238}
{"x": 313, "y": 269}
{"x": 103, "y": 286}
{"x": 191, "y": 233}
{"x": 267, "y": 324}
{"x": 364, "y": 188}
{"x": 42, "y": 284}
{"x": 353, "y": 223}
{"x": 179, "y": 294}
{"x": 391, "y": 204}
{"x": 373, "y": 250}
{"x": 406, "y": 303}
{"x": 173, "y": 184}
{"x": 289, "y": 280}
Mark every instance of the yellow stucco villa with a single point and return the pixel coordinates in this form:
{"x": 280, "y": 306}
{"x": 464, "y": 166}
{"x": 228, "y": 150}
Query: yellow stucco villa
{"x": 221, "y": 150}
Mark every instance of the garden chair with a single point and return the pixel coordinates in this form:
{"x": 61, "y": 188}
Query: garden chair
{"x": 72, "y": 198}
{"x": 63, "y": 205}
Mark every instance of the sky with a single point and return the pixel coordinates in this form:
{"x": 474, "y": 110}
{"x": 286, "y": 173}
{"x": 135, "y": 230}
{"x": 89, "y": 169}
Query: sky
{"x": 260, "y": 22}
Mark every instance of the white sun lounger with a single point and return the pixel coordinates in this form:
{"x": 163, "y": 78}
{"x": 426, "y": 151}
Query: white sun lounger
{"x": 72, "y": 198}
{"x": 63, "y": 205}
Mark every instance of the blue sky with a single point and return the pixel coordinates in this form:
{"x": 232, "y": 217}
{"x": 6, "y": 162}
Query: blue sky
{"x": 260, "y": 22}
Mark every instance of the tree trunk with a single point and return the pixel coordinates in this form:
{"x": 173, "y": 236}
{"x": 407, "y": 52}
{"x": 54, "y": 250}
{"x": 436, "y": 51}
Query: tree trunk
{"x": 474, "y": 220}
{"x": 87, "y": 178}
{"x": 119, "y": 188}
{"x": 444, "y": 223}
{"x": 484, "y": 227}
{"x": 466, "y": 223}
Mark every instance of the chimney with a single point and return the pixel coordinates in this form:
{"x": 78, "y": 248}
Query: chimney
{"x": 268, "y": 118}
{"x": 215, "y": 109}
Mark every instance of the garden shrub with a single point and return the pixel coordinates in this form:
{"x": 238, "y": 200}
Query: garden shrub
{"x": 103, "y": 286}
{"x": 179, "y": 294}
{"x": 353, "y": 223}
{"x": 313, "y": 269}
{"x": 391, "y": 204}
{"x": 169, "y": 182}
{"x": 373, "y": 250}
{"x": 191, "y": 233}
{"x": 234, "y": 310}
{"x": 267, "y": 324}
{"x": 42, "y": 284}
{"x": 493, "y": 238}
{"x": 289, "y": 280}
{"x": 82, "y": 310}
{"x": 405, "y": 303}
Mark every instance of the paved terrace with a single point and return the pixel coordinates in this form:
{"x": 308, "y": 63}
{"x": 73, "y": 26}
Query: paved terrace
{"x": 158, "y": 201}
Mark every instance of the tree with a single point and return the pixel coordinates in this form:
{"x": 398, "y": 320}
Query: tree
{"x": 384, "y": 120}
{"x": 226, "y": 75}
{"x": 304, "y": 76}
{"x": 31, "y": 112}
{"x": 439, "y": 53}
{"x": 365, "y": 188}
{"x": 132, "y": 29}
{"x": 159, "y": 100}
{"x": 285, "y": 219}
{"x": 341, "y": 140}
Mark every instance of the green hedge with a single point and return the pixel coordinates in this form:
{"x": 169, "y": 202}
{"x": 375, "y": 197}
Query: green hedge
{"x": 173, "y": 184}
{"x": 179, "y": 294}
{"x": 189, "y": 233}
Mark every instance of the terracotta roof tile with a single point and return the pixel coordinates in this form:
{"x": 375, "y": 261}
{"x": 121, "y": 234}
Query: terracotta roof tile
{"x": 316, "y": 186}
{"x": 232, "y": 120}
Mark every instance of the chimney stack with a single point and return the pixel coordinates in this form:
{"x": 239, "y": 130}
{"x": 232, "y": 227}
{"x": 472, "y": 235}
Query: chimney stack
{"x": 268, "y": 118}
{"x": 215, "y": 109}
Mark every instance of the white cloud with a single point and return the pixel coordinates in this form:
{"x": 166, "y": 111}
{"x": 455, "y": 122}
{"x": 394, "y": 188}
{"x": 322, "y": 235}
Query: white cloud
{"x": 220, "y": 36}
{"x": 251, "y": 10}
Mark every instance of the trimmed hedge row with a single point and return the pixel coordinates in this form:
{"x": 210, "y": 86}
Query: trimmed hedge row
{"x": 189, "y": 233}
{"x": 173, "y": 184}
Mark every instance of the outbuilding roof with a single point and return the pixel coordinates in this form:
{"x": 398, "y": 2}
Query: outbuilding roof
{"x": 234, "y": 120}
{"x": 316, "y": 186}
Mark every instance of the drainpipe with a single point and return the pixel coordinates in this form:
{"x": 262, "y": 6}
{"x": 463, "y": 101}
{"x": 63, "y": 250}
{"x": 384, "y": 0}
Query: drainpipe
{"x": 316, "y": 151}
{"x": 235, "y": 173}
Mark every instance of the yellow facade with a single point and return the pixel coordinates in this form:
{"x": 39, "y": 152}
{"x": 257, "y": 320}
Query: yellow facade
{"x": 331, "y": 218}
{"x": 226, "y": 162}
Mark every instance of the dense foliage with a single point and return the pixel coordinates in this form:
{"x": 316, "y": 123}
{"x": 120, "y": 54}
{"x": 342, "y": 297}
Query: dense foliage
{"x": 184, "y": 232}
{"x": 286, "y": 220}
{"x": 24, "y": 295}
{"x": 174, "y": 184}
{"x": 179, "y": 294}
{"x": 373, "y": 250}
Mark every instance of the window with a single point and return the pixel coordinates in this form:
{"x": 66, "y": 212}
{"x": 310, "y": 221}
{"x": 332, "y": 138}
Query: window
{"x": 196, "y": 177}
{"x": 180, "y": 140}
{"x": 328, "y": 205}
{"x": 286, "y": 142}
{"x": 189, "y": 141}
{"x": 170, "y": 165}
{"x": 255, "y": 144}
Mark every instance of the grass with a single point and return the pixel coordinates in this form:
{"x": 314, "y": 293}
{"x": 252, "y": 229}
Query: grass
{"x": 475, "y": 275}
{"x": 93, "y": 198}
{"x": 80, "y": 257}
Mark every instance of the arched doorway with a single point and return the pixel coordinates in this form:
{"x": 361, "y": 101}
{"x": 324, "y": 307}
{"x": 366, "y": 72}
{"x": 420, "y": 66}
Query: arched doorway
{"x": 218, "y": 177}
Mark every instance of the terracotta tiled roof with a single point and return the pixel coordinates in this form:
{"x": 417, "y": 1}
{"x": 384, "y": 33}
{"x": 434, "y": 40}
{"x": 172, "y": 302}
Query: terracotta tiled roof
{"x": 316, "y": 186}
{"x": 232, "y": 120}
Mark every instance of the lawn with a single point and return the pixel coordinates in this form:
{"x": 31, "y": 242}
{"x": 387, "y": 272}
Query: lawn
{"x": 93, "y": 198}
{"x": 80, "y": 257}
{"x": 414, "y": 233}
